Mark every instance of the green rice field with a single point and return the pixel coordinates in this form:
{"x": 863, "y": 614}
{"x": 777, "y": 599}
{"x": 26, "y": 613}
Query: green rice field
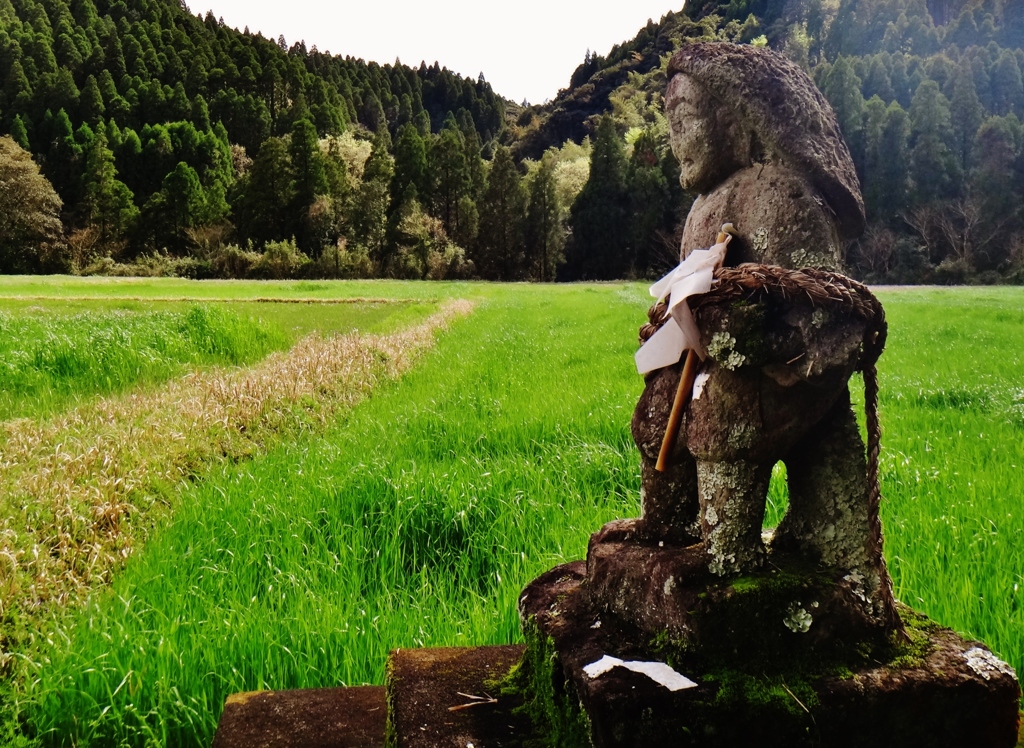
{"x": 417, "y": 518}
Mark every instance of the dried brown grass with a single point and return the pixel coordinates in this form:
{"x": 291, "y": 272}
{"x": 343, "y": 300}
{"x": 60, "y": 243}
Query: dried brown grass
{"x": 77, "y": 492}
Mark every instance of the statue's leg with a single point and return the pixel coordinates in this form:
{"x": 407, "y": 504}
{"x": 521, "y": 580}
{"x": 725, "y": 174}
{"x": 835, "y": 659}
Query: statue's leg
{"x": 827, "y": 519}
{"x": 732, "y": 498}
{"x": 669, "y": 498}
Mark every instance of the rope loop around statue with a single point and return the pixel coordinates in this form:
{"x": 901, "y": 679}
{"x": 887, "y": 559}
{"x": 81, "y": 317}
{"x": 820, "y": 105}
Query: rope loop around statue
{"x": 821, "y": 288}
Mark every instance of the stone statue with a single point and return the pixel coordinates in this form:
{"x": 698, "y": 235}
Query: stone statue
{"x": 691, "y": 625}
{"x": 761, "y": 145}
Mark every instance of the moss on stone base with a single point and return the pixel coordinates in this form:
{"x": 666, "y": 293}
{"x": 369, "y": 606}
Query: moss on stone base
{"x": 558, "y": 718}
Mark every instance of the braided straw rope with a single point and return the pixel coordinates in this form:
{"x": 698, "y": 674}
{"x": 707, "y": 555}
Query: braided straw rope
{"x": 821, "y": 288}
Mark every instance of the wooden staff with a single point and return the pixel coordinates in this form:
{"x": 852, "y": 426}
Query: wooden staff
{"x": 683, "y": 393}
{"x": 675, "y": 418}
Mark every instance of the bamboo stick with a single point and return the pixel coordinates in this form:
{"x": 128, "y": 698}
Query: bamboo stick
{"x": 675, "y": 418}
{"x": 685, "y": 389}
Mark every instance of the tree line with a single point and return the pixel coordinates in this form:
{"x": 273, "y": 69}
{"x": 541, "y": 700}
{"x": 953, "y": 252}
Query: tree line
{"x": 163, "y": 132}
{"x": 176, "y": 144}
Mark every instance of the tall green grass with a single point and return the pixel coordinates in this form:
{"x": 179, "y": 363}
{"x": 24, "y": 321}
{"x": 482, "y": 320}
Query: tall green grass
{"x": 418, "y": 521}
{"x": 49, "y": 360}
{"x": 952, "y": 404}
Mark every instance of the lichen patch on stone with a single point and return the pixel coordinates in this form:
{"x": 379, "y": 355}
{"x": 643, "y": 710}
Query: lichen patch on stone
{"x": 797, "y": 619}
{"x": 723, "y": 349}
{"x": 721, "y": 342}
{"x": 986, "y": 664}
{"x": 711, "y": 516}
{"x": 801, "y": 258}
{"x": 760, "y": 240}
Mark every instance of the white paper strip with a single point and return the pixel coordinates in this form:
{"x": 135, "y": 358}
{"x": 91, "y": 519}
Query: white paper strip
{"x": 694, "y": 275}
{"x": 698, "y": 384}
{"x": 659, "y": 672}
{"x": 691, "y": 334}
{"x": 663, "y": 349}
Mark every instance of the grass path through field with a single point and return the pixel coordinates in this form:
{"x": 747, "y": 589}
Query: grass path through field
{"x": 79, "y": 487}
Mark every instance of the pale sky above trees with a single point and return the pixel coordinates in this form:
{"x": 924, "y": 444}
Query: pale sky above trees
{"x": 526, "y": 50}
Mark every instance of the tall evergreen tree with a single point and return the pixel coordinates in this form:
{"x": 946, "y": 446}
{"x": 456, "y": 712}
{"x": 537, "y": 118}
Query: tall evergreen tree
{"x": 545, "y": 235}
{"x": 995, "y": 185}
{"x": 933, "y": 168}
{"x": 200, "y": 116}
{"x": 20, "y": 133}
{"x": 874, "y": 125}
{"x": 63, "y": 162}
{"x": 966, "y": 114}
{"x": 310, "y": 180}
{"x": 107, "y": 203}
{"x": 1007, "y": 85}
{"x": 842, "y": 88}
{"x": 450, "y": 179}
{"x": 371, "y": 203}
{"x": 183, "y": 199}
{"x": 649, "y": 203}
{"x": 17, "y": 89}
{"x": 598, "y": 218}
{"x": 91, "y": 101}
{"x": 410, "y": 165}
{"x": 264, "y": 194}
{"x": 373, "y": 114}
{"x": 901, "y": 81}
{"x": 500, "y": 253}
{"x": 877, "y": 82}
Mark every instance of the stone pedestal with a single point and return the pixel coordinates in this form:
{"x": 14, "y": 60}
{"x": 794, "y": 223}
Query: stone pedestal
{"x": 518, "y": 697}
{"x": 758, "y": 682}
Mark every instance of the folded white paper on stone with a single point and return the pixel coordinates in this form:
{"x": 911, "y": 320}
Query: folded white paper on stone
{"x": 698, "y": 384}
{"x": 693, "y": 276}
{"x": 659, "y": 672}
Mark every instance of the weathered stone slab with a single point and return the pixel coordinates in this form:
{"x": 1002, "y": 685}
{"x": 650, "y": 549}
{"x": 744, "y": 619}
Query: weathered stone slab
{"x": 441, "y": 698}
{"x": 938, "y": 690}
{"x": 307, "y": 718}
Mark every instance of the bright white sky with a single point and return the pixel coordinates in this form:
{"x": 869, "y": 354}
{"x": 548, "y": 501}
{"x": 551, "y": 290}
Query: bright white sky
{"x": 526, "y": 49}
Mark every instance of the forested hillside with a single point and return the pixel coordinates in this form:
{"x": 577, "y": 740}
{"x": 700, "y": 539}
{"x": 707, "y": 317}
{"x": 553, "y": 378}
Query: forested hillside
{"x": 929, "y": 96}
{"x": 179, "y": 145}
{"x": 165, "y": 132}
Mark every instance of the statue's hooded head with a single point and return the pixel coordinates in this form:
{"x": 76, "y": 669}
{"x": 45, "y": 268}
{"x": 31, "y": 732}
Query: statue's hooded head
{"x": 731, "y": 105}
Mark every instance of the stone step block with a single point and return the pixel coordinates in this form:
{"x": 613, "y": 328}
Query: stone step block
{"x": 304, "y": 718}
{"x": 450, "y": 698}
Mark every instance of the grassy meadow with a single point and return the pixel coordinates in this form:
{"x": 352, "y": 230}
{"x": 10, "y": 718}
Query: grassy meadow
{"x": 416, "y": 517}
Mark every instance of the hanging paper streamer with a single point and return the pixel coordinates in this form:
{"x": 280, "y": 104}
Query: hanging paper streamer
{"x": 693, "y": 276}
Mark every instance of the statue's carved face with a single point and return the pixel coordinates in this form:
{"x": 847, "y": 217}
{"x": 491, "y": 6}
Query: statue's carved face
{"x": 704, "y": 135}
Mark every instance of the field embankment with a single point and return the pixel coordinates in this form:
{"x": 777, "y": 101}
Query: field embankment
{"x": 417, "y": 519}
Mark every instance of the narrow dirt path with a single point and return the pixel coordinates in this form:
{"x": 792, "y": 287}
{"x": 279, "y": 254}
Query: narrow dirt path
{"x": 77, "y": 491}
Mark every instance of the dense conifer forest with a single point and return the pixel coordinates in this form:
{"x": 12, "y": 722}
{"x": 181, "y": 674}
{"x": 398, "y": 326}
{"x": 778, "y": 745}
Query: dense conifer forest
{"x": 176, "y": 145}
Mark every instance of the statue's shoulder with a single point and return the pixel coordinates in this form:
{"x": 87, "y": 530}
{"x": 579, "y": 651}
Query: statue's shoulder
{"x": 780, "y": 218}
